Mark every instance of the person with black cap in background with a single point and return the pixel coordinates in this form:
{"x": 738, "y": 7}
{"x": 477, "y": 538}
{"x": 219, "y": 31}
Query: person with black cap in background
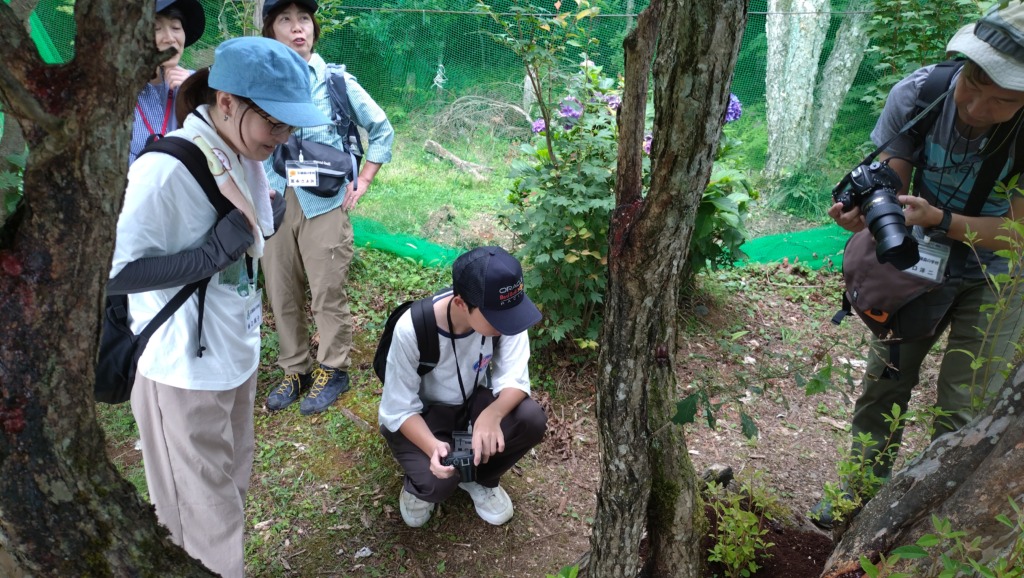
{"x": 178, "y": 23}
{"x": 316, "y": 243}
{"x": 481, "y": 384}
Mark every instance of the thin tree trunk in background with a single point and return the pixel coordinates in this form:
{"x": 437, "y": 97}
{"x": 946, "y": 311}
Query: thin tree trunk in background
{"x": 837, "y": 75}
{"x": 64, "y": 508}
{"x": 967, "y": 476}
{"x": 647, "y": 477}
{"x": 795, "y": 31}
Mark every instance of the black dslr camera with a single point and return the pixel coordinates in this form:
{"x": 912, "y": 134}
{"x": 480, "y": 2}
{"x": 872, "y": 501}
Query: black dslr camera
{"x": 873, "y": 188}
{"x": 461, "y": 456}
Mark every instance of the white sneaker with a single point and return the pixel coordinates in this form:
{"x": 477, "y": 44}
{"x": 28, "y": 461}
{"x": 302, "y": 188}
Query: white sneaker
{"x": 415, "y": 511}
{"x": 492, "y": 504}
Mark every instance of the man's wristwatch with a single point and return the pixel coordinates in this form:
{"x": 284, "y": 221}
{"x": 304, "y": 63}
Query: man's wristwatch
{"x": 943, "y": 227}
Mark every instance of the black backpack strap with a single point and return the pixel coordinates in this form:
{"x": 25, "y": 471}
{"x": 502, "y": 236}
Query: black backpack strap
{"x": 168, "y": 309}
{"x": 892, "y": 369}
{"x": 935, "y": 87}
{"x": 194, "y": 160}
{"x": 425, "y": 324}
{"x": 344, "y": 119}
{"x": 1002, "y": 137}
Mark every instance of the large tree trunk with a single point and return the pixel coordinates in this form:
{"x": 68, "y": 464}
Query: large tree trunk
{"x": 795, "y": 31}
{"x": 647, "y": 478}
{"x": 64, "y": 509}
{"x": 966, "y": 476}
{"x": 837, "y": 75}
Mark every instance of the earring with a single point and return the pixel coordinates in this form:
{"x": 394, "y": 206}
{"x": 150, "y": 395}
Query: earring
{"x": 226, "y": 118}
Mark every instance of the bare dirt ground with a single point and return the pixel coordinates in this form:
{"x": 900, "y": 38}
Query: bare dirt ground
{"x": 323, "y": 500}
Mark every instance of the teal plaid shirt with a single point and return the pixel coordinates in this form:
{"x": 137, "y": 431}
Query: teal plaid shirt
{"x": 367, "y": 114}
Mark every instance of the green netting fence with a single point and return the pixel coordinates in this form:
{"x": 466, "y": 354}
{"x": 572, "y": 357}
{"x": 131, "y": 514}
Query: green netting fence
{"x": 413, "y": 53}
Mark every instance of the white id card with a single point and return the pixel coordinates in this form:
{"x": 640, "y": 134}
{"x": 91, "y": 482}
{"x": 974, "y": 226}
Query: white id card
{"x": 302, "y": 174}
{"x": 254, "y": 311}
{"x": 932, "y": 264}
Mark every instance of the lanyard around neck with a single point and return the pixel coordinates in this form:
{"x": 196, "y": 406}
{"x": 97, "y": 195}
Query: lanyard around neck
{"x": 167, "y": 115}
{"x": 458, "y": 371}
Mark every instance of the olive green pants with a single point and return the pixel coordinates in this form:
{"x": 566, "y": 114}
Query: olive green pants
{"x": 957, "y": 382}
{"x": 317, "y": 250}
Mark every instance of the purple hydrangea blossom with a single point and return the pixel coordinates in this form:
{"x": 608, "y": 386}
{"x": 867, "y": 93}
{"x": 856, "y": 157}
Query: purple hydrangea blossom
{"x": 735, "y": 110}
{"x": 613, "y": 101}
{"x": 648, "y": 140}
{"x": 571, "y": 108}
{"x": 539, "y": 126}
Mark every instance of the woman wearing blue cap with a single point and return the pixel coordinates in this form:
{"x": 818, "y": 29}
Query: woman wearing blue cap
{"x": 316, "y": 243}
{"x": 178, "y": 24}
{"x": 194, "y": 407}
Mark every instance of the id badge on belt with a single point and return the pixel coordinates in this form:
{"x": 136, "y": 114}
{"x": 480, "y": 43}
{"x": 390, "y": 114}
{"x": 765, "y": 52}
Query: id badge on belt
{"x": 302, "y": 174}
{"x": 933, "y": 261}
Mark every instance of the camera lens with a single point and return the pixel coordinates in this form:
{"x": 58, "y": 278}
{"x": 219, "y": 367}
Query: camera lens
{"x": 888, "y": 226}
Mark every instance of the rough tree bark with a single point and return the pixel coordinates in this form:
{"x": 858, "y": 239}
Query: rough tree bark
{"x": 64, "y": 509}
{"x": 837, "y": 75}
{"x": 795, "y": 31}
{"x": 966, "y": 476}
{"x": 647, "y": 478}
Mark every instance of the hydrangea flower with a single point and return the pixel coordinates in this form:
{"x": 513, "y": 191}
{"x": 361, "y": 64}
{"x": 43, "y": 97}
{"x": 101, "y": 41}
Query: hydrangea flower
{"x": 571, "y": 108}
{"x": 648, "y": 140}
{"x": 735, "y": 110}
{"x": 539, "y": 126}
{"x": 613, "y": 101}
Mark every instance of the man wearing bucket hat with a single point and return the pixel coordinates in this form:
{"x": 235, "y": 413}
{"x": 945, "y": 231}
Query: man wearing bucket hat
{"x": 480, "y": 384}
{"x": 194, "y": 391}
{"x": 979, "y": 117}
{"x": 178, "y": 24}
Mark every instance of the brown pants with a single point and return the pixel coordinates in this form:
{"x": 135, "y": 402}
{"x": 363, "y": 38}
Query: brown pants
{"x": 321, "y": 250}
{"x": 198, "y": 450}
{"x": 523, "y": 429}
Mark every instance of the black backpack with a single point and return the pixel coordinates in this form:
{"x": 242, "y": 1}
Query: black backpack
{"x": 342, "y": 115}
{"x": 425, "y": 323}
{"x": 120, "y": 349}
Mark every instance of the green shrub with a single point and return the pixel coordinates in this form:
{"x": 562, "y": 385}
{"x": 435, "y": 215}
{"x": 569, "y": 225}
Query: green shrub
{"x": 562, "y": 205}
{"x": 740, "y": 530}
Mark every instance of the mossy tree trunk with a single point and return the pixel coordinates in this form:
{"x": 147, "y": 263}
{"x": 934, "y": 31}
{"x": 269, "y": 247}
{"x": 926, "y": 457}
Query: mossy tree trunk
{"x": 64, "y": 509}
{"x": 647, "y": 478}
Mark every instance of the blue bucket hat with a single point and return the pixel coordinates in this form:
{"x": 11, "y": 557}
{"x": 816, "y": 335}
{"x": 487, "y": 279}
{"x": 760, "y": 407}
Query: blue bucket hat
{"x": 268, "y": 73}
{"x": 194, "y": 21}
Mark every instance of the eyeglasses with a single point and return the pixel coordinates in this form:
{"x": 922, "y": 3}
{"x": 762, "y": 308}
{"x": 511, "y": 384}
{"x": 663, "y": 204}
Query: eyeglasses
{"x": 276, "y": 128}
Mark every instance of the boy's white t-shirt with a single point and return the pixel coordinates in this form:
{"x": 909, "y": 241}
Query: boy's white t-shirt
{"x": 407, "y": 394}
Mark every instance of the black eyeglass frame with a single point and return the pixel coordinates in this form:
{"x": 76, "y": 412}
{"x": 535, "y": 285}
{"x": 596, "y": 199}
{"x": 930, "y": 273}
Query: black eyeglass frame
{"x": 276, "y": 128}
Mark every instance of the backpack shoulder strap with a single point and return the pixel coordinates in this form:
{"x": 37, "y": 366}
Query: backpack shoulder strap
{"x": 934, "y": 88}
{"x": 195, "y": 161}
{"x": 425, "y": 324}
{"x": 1002, "y": 137}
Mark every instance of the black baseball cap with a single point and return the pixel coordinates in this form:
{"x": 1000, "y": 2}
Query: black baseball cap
{"x": 194, "y": 21}
{"x": 491, "y": 279}
{"x": 269, "y": 5}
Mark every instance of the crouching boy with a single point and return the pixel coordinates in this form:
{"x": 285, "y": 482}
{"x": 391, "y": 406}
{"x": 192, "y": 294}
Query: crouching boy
{"x": 480, "y": 385}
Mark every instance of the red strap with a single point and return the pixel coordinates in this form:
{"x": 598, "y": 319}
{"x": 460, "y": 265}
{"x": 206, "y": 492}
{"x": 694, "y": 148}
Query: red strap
{"x": 167, "y": 114}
